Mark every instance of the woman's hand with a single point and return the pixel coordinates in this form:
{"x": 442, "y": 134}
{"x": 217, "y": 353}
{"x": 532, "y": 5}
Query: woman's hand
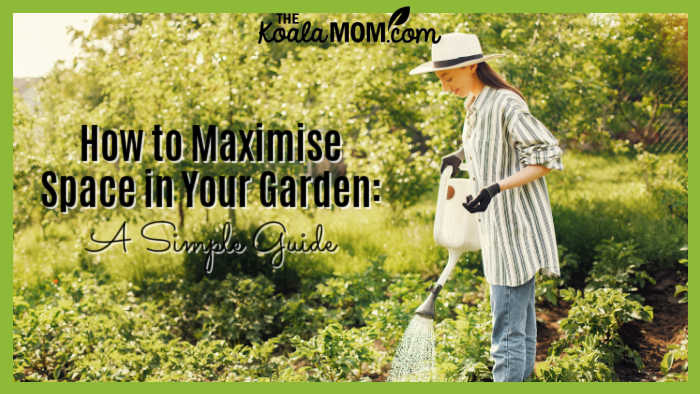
{"x": 525, "y": 175}
{"x": 453, "y": 160}
{"x": 481, "y": 202}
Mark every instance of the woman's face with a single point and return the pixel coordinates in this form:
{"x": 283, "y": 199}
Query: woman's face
{"x": 459, "y": 81}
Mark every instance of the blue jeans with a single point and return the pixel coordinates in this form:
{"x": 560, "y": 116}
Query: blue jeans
{"x": 514, "y": 337}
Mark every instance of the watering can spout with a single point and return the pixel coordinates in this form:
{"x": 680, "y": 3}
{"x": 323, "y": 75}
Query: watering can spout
{"x": 427, "y": 308}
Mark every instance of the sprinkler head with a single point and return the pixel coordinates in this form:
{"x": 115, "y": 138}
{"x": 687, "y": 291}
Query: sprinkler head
{"x": 427, "y": 308}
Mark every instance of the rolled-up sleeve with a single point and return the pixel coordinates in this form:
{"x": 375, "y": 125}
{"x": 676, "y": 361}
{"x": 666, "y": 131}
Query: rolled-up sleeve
{"x": 533, "y": 142}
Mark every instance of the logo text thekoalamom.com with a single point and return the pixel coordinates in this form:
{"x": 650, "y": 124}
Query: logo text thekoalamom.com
{"x": 379, "y": 32}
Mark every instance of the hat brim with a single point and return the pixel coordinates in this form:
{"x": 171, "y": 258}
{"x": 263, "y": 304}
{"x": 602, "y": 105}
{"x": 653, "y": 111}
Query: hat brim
{"x": 429, "y": 67}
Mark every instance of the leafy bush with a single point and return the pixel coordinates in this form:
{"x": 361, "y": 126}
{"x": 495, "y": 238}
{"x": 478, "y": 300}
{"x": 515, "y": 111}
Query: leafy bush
{"x": 391, "y": 316}
{"x": 601, "y": 196}
{"x": 299, "y": 317}
{"x": 286, "y": 279}
{"x": 405, "y": 171}
{"x": 146, "y": 359}
{"x": 583, "y": 363}
{"x": 80, "y": 329}
{"x": 682, "y": 289}
{"x": 591, "y": 335}
{"x": 337, "y": 353}
{"x": 581, "y": 225}
{"x": 463, "y": 344}
{"x": 547, "y": 288}
{"x": 675, "y": 353}
{"x": 601, "y": 312}
{"x": 237, "y": 310}
{"x": 72, "y": 321}
{"x": 618, "y": 265}
{"x": 666, "y": 179}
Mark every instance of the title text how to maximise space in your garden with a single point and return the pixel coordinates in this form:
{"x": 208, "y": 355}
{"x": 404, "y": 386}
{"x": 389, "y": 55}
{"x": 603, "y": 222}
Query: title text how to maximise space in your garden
{"x": 210, "y": 145}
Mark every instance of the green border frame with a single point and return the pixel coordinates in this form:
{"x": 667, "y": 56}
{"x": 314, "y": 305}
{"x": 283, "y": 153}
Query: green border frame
{"x": 271, "y": 6}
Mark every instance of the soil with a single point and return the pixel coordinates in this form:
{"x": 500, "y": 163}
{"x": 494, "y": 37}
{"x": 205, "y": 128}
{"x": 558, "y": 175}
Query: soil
{"x": 649, "y": 339}
{"x": 669, "y": 326}
{"x": 548, "y": 317}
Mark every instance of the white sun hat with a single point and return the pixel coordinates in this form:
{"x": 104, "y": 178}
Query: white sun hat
{"x": 454, "y": 50}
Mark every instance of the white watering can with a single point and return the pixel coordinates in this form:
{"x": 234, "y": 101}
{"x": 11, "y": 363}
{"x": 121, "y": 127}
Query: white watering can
{"x": 455, "y": 228}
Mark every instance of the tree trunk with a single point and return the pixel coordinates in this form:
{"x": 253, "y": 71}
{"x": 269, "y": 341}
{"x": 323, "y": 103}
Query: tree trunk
{"x": 232, "y": 218}
{"x": 181, "y": 214}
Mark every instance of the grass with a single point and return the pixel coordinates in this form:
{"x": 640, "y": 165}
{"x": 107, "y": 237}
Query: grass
{"x": 594, "y": 177}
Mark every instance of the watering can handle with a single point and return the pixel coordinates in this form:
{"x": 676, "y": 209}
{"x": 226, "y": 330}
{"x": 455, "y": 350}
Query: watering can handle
{"x": 444, "y": 178}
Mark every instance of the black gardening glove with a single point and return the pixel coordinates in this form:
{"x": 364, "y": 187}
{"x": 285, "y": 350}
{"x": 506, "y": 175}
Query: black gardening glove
{"x": 481, "y": 201}
{"x": 452, "y": 161}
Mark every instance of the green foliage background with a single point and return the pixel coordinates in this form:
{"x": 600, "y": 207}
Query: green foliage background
{"x": 612, "y": 88}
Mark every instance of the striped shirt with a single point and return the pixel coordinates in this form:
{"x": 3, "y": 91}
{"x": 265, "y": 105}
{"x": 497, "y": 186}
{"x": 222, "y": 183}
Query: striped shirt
{"x": 499, "y": 138}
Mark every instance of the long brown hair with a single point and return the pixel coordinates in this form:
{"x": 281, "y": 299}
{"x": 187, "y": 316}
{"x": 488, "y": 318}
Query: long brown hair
{"x": 490, "y": 77}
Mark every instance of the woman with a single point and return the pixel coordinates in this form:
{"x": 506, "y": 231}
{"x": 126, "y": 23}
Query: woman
{"x": 509, "y": 151}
